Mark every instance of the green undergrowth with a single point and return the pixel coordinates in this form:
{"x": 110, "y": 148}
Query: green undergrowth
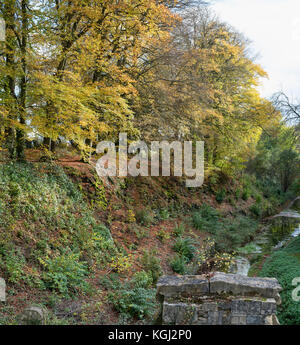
{"x": 49, "y": 238}
{"x": 284, "y": 264}
{"x": 229, "y": 233}
{"x": 132, "y": 298}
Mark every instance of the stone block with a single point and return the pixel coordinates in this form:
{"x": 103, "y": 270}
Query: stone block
{"x": 2, "y": 290}
{"x": 238, "y": 285}
{"x": 238, "y": 319}
{"x": 33, "y": 316}
{"x": 214, "y": 318}
{"x": 179, "y": 313}
{"x": 268, "y": 307}
{"x": 254, "y": 320}
{"x": 174, "y": 286}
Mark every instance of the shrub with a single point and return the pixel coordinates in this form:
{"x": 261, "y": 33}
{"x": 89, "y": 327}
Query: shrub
{"x": 111, "y": 281}
{"x": 220, "y": 195}
{"x": 178, "y": 264}
{"x": 163, "y": 235}
{"x": 143, "y": 216}
{"x": 178, "y": 231}
{"x": 198, "y": 222}
{"x": 14, "y": 263}
{"x": 140, "y": 232}
{"x": 233, "y": 233}
{"x": 232, "y": 200}
{"x": 103, "y": 231}
{"x": 121, "y": 263}
{"x": 256, "y": 209}
{"x": 258, "y": 199}
{"x": 131, "y": 216}
{"x": 133, "y": 297}
{"x": 206, "y": 218}
{"x": 151, "y": 264}
{"x": 185, "y": 247}
{"x": 163, "y": 214}
{"x": 236, "y": 233}
{"x": 238, "y": 194}
{"x": 137, "y": 302}
{"x": 246, "y": 194}
{"x": 209, "y": 212}
{"x": 142, "y": 279}
{"x": 65, "y": 273}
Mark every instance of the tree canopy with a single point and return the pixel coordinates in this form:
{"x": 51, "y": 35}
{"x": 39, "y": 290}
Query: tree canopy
{"x": 83, "y": 71}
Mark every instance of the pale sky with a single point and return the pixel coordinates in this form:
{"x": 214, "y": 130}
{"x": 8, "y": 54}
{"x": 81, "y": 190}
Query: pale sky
{"x": 273, "y": 26}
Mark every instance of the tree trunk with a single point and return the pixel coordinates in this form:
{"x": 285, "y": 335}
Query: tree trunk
{"x": 23, "y": 84}
{"x": 9, "y": 11}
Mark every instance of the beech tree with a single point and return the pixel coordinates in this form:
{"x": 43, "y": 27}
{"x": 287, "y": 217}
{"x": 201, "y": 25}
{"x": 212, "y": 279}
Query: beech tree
{"x": 202, "y": 84}
{"x": 14, "y": 76}
{"x": 83, "y": 71}
{"x": 82, "y": 56}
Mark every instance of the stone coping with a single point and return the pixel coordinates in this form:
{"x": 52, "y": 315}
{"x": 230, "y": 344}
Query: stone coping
{"x": 2, "y": 290}
{"x": 220, "y": 283}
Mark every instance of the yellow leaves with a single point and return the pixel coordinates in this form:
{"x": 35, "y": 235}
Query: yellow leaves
{"x": 121, "y": 263}
{"x": 80, "y": 111}
{"x": 83, "y": 72}
{"x": 131, "y": 216}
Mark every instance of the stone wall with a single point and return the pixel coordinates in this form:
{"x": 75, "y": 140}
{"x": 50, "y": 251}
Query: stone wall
{"x": 222, "y": 299}
{"x": 2, "y": 290}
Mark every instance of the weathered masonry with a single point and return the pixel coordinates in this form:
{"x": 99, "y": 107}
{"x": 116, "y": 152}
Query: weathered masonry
{"x": 2, "y": 290}
{"x": 223, "y": 299}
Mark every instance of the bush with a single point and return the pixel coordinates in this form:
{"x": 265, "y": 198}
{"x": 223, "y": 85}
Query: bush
{"x": 133, "y": 297}
{"x": 142, "y": 279}
{"x": 185, "y": 247}
{"x": 14, "y": 263}
{"x": 246, "y": 194}
{"x": 198, "y": 222}
{"x": 143, "y": 217}
{"x": 238, "y": 194}
{"x": 234, "y": 233}
{"x": 220, "y": 195}
{"x": 258, "y": 199}
{"x": 121, "y": 263}
{"x": 209, "y": 212}
{"x": 205, "y": 218}
{"x": 65, "y": 273}
{"x": 178, "y": 231}
{"x": 163, "y": 235}
{"x": 151, "y": 264}
{"x": 131, "y": 217}
{"x": 228, "y": 233}
{"x": 163, "y": 214}
{"x": 178, "y": 264}
{"x": 256, "y": 209}
{"x": 137, "y": 302}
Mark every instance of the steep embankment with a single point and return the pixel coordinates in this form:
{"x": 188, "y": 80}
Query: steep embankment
{"x": 284, "y": 265}
{"x": 91, "y": 250}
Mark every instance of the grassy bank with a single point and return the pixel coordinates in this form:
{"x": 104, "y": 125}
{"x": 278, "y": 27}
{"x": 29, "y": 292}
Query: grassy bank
{"x": 284, "y": 264}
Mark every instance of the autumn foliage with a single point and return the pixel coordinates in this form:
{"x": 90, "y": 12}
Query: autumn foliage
{"x": 82, "y": 71}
